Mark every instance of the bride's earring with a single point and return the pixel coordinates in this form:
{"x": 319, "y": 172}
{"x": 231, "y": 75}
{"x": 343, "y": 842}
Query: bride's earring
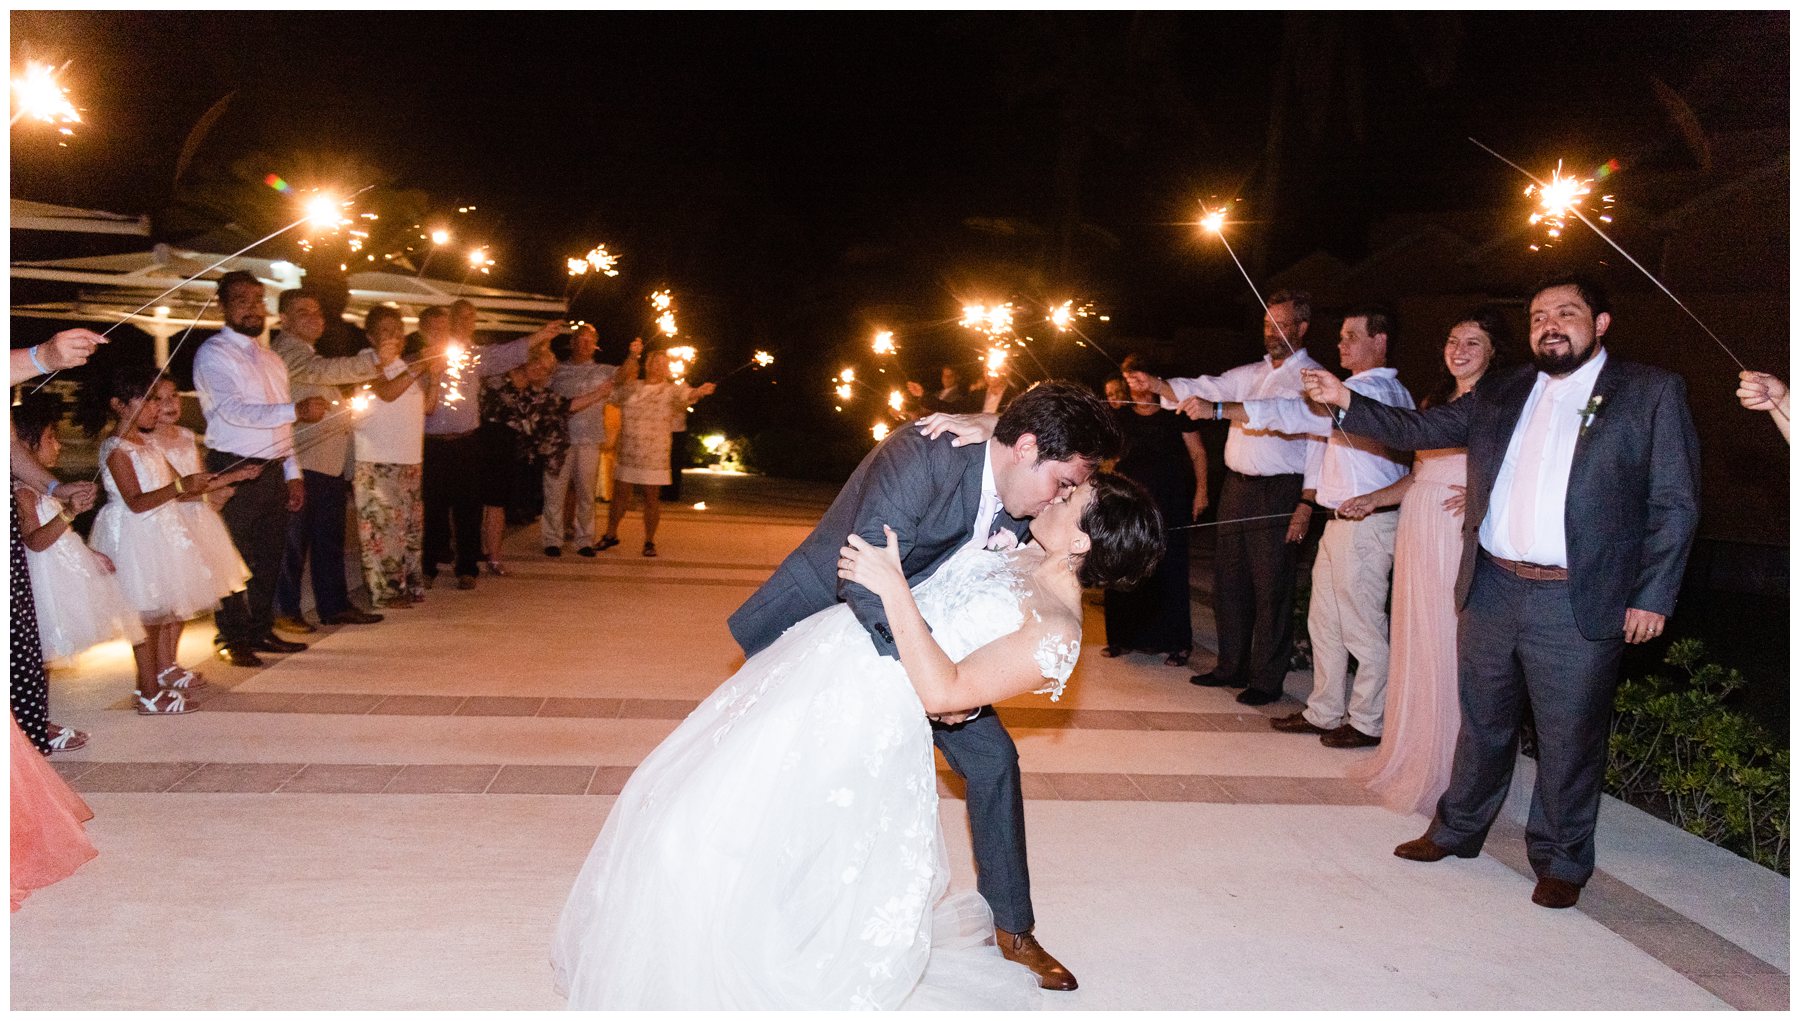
{"x": 1072, "y": 565}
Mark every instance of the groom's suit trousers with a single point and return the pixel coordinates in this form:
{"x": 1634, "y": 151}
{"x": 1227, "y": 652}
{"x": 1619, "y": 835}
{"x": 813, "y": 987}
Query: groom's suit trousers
{"x": 983, "y": 754}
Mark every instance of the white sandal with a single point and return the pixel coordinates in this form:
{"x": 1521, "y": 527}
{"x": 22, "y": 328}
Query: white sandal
{"x": 67, "y": 739}
{"x": 184, "y": 679}
{"x": 167, "y": 702}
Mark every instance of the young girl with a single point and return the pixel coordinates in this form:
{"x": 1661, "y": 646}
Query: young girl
{"x": 199, "y": 510}
{"x": 78, "y": 599}
{"x": 161, "y": 567}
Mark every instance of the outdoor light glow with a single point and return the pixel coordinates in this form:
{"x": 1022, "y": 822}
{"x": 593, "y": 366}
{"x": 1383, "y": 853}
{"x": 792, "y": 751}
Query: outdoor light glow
{"x": 478, "y": 257}
{"x": 38, "y": 95}
{"x": 700, "y": 506}
{"x": 712, "y": 442}
{"x": 359, "y": 403}
{"x": 880, "y": 431}
{"x": 162, "y": 311}
{"x": 884, "y": 342}
{"x": 1213, "y": 221}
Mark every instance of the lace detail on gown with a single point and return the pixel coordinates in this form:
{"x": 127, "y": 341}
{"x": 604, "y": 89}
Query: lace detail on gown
{"x": 782, "y": 850}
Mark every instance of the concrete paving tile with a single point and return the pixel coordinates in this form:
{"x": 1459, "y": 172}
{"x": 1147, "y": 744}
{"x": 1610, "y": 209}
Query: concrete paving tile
{"x": 133, "y": 777}
{"x": 1268, "y": 790}
{"x": 1106, "y": 719}
{"x": 499, "y": 705}
{"x": 1340, "y": 792}
{"x": 542, "y": 780}
{"x": 1094, "y": 787}
{"x": 340, "y": 779}
{"x": 656, "y": 708}
{"x": 443, "y": 779}
{"x": 610, "y": 779}
{"x": 1692, "y": 949}
{"x": 951, "y": 787}
{"x": 253, "y": 702}
{"x": 1748, "y": 992}
{"x": 1037, "y": 787}
{"x": 70, "y": 770}
{"x": 1177, "y": 720}
{"x": 237, "y": 778}
{"x": 1163, "y": 787}
{"x": 1246, "y": 723}
{"x": 583, "y": 708}
{"x": 1033, "y": 718}
{"x": 1608, "y": 900}
{"x": 417, "y": 705}
{"x": 335, "y": 703}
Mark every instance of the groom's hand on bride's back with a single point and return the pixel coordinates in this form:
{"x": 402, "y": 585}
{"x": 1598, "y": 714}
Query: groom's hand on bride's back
{"x": 963, "y": 429}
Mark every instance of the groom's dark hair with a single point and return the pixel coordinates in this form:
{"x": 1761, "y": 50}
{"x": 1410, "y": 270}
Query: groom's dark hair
{"x": 1068, "y": 420}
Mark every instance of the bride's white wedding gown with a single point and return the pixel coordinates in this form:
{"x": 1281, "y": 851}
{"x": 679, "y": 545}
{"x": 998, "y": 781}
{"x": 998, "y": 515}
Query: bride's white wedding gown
{"x": 781, "y": 849}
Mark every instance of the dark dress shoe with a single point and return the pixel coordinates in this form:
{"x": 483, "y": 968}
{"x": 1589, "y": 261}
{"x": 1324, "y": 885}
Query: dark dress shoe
{"x": 238, "y": 655}
{"x": 1023, "y": 948}
{"x": 585, "y": 551}
{"x": 553, "y": 551}
{"x": 269, "y": 643}
{"x": 1347, "y": 736}
{"x": 295, "y": 624}
{"x": 465, "y": 581}
{"x": 355, "y": 616}
{"x": 1213, "y": 681}
{"x": 1426, "y": 849}
{"x": 1296, "y": 723}
{"x": 1256, "y": 696}
{"x": 1552, "y": 892}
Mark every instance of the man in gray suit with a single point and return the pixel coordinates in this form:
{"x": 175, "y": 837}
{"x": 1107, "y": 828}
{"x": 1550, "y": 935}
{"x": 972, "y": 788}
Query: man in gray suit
{"x": 940, "y": 498}
{"x": 1583, "y": 498}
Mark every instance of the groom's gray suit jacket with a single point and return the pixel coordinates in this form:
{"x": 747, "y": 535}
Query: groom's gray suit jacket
{"x": 926, "y": 490}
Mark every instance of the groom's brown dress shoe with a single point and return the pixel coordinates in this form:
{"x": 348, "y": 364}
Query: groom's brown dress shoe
{"x": 1555, "y": 893}
{"x": 1023, "y": 948}
{"x": 1424, "y": 849}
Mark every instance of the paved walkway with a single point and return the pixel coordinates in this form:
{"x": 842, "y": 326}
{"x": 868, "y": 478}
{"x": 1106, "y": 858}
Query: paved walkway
{"x": 393, "y": 818}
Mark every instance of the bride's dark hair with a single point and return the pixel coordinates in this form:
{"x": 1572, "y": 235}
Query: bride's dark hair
{"x": 1126, "y": 530}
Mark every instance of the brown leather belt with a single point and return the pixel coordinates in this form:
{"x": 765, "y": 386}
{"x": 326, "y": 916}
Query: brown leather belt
{"x": 1530, "y": 572}
{"x": 450, "y": 436}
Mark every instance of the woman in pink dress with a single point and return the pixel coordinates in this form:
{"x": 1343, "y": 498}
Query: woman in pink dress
{"x": 48, "y": 842}
{"x": 1412, "y": 768}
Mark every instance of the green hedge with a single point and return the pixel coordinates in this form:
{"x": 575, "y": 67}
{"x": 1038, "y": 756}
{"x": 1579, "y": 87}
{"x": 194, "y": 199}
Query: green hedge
{"x": 1682, "y": 753}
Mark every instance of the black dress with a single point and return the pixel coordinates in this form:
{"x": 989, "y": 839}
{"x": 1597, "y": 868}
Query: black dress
{"x": 1156, "y": 616}
{"x": 30, "y": 683}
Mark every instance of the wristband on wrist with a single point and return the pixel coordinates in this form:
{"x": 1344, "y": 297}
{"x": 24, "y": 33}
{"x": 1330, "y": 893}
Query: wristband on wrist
{"x": 1219, "y": 411}
{"x": 67, "y": 518}
{"x": 179, "y": 489}
{"x": 36, "y": 362}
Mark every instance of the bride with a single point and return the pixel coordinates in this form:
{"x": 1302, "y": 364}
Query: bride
{"x": 781, "y": 849}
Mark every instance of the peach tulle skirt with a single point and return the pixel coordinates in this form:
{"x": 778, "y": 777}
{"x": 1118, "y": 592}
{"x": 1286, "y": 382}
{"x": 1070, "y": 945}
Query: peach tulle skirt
{"x": 1412, "y": 767}
{"x": 48, "y": 842}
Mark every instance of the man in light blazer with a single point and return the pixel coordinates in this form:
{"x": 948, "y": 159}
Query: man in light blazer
{"x": 940, "y": 498}
{"x": 1583, "y": 498}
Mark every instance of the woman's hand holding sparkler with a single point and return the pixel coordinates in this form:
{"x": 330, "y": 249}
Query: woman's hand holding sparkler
{"x": 1759, "y": 391}
{"x": 69, "y": 349}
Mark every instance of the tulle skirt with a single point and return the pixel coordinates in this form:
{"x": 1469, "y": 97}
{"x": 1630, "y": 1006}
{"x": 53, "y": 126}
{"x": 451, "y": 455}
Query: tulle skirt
{"x": 781, "y": 850}
{"x": 79, "y": 602}
{"x": 215, "y": 548}
{"x": 48, "y": 843}
{"x": 161, "y": 570}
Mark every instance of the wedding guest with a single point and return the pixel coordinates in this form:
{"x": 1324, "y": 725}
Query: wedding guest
{"x": 1583, "y": 500}
{"x": 581, "y": 375}
{"x": 452, "y": 482}
{"x": 953, "y": 396}
{"x": 1412, "y": 768}
{"x": 1116, "y": 392}
{"x": 29, "y": 684}
{"x": 48, "y": 841}
{"x": 533, "y": 419}
{"x": 389, "y": 449}
{"x": 316, "y": 532}
{"x": 250, "y": 416}
{"x": 1163, "y": 454}
{"x": 1760, "y": 391}
{"x": 647, "y": 410}
{"x": 1256, "y": 562}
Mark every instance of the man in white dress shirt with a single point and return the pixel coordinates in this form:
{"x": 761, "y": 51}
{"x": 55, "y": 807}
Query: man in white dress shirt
{"x": 577, "y": 377}
{"x": 1348, "y": 612}
{"x": 1256, "y": 563}
{"x": 250, "y": 418}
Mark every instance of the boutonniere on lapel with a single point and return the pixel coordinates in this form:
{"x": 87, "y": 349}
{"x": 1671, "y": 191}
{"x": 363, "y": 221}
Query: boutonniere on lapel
{"x": 1589, "y": 413}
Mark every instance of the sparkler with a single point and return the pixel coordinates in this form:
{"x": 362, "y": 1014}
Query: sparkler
{"x": 884, "y": 342}
{"x": 1063, "y": 318}
{"x": 679, "y": 360}
{"x": 40, "y": 96}
{"x": 995, "y": 320}
{"x": 760, "y": 360}
{"x": 996, "y": 362}
{"x": 896, "y": 400}
{"x": 1558, "y": 190}
{"x": 880, "y": 431}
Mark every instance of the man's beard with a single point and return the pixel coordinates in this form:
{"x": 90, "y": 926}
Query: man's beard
{"x": 249, "y": 328}
{"x": 1565, "y": 363}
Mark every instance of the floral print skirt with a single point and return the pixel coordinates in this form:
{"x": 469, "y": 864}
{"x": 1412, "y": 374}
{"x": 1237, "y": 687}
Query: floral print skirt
{"x": 390, "y": 521}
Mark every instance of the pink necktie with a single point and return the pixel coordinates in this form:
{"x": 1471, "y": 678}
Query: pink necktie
{"x": 1528, "y": 472}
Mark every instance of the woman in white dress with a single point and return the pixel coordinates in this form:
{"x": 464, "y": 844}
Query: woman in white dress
{"x": 781, "y": 849}
{"x": 647, "y": 417}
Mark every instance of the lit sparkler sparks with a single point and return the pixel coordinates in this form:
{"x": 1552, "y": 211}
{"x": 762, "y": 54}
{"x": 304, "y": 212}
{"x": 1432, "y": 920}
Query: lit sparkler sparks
{"x": 763, "y": 359}
{"x": 39, "y": 95}
{"x": 578, "y": 267}
{"x": 843, "y": 391}
{"x": 440, "y": 237}
{"x": 666, "y": 323}
{"x": 996, "y": 362}
{"x": 602, "y": 261}
{"x": 884, "y": 342}
{"x": 993, "y": 320}
{"x": 1558, "y": 199}
{"x": 325, "y": 212}
{"x": 662, "y": 301}
{"x": 679, "y": 360}
{"x": 849, "y": 374}
{"x": 896, "y": 400}
{"x": 880, "y": 431}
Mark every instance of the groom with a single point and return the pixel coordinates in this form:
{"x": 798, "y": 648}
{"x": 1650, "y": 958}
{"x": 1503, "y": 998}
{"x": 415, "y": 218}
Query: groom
{"x": 940, "y": 498}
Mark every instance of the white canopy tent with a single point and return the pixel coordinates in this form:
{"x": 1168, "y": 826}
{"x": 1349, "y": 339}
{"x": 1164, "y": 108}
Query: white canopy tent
{"x": 125, "y": 288}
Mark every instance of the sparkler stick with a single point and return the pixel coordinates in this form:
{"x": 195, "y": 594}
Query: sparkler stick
{"x": 162, "y": 371}
{"x": 304, "y": 429}
{"x": 1232, "y": 521}
{"x": 1628, "y": 257}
